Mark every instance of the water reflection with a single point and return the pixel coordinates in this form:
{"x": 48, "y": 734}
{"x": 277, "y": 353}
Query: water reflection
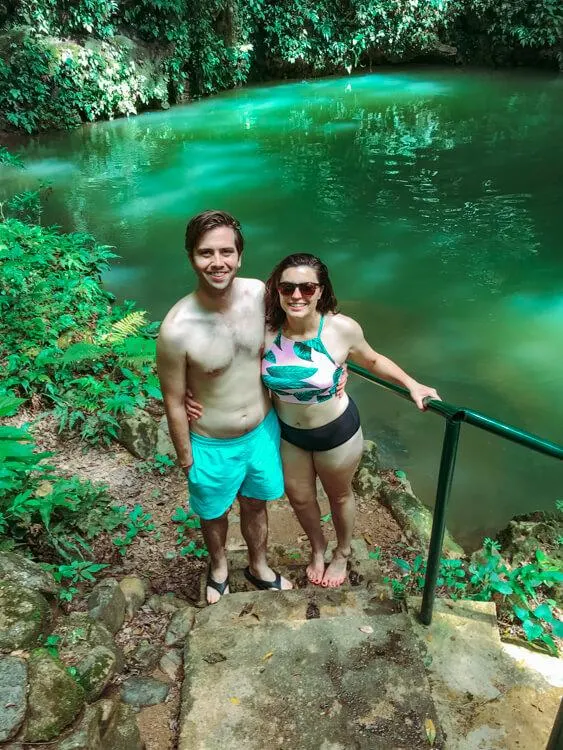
{"x": 433, "y": 197}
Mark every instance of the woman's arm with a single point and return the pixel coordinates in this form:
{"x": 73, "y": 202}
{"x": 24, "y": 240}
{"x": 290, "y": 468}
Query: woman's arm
{"x": 362, "y": 354}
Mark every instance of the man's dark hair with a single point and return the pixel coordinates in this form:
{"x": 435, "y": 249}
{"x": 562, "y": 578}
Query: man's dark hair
{"x": 207, "y": 220}
{"x": 275, "y": 316}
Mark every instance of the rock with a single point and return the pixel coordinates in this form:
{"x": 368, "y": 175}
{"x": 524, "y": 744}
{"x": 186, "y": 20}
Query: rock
{"x": 134, "y": 591}
{"x": 146, "y": 655}
{"x": 138, "y": 432}
{"x": 370, "y": 457}
{"x": 167, "y": 603}
{"x": 180, "y": 625}
{"x": 164, "y": 444}
{"x": 79, "y": 635}
{"x": 144, "y": 691}
{"x": 96, "y": 671}
{"x": 55, "y": 699}
{"x": 13, "y": 695}
{"x": 527, "y": 533}
{"x": 171, "y": 663}
{"x": 366, "y": 484}
{"x": 94, "y": 723}
{"x": 18, "y": 569}
{"x": 107, "y": 604}
{"x": 414, "y": 518}
{"x": 123, "y": 731}
{"x": 24, "y": 616}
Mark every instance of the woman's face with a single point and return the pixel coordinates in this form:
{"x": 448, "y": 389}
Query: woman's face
{"x": 299, "y": 291}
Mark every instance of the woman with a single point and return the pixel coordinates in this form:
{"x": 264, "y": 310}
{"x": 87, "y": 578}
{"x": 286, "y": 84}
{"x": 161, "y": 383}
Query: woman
{"x": 307, "y": 342}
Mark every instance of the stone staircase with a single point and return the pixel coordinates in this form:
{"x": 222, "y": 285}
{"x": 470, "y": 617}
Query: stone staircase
{"x": 307, "y": 669}
{"x": 318, "y": 669}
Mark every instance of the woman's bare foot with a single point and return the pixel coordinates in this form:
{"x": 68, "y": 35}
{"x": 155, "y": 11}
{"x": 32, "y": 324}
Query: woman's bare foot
{"x": 335, "y": 574}
{"x": 316, "y": 568}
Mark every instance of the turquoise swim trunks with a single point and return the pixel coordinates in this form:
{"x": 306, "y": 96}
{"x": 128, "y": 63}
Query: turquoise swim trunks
{"x": 249, "y": 465}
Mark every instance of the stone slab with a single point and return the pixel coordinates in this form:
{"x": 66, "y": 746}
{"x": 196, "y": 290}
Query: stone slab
{"x": 251, "y": 609}
{"x": 329, "y": 683}
{"x": 487, "y": 695}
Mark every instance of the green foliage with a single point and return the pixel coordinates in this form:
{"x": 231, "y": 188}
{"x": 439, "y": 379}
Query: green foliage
{"x": 62, "y": 339}
{"x": 186, "y": 520}
{"x": 198, "y": 47}
{"x": 520, "y": 591}
{"x": 137, "y": 522}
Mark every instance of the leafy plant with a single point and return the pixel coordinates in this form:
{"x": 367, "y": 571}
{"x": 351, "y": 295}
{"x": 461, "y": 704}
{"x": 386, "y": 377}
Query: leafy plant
{"x": 138, "y": 522}
{"x": 186, "y": 520}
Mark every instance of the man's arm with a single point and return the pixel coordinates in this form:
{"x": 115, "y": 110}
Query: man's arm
{"x": 171, "y": 366}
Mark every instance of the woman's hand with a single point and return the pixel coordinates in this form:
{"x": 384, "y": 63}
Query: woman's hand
{"x": 194, "y": 409}
{"x": 341, "y": 385}
{"x": 419, "y": 392}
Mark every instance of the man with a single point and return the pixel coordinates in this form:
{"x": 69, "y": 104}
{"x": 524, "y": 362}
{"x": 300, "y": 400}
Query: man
{"x": 210, "y": 344}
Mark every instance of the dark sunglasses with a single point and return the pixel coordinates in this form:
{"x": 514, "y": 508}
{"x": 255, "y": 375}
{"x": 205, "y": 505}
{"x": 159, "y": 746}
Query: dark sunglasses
{"x": 307, "y": 288}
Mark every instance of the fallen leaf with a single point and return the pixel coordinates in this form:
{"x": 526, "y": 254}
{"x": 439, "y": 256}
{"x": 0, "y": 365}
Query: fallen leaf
{"x": 366, "y": 629}
{"x": 430, "y": 730}
{"x": 45, "y": 488}
{"x": 235, "y": 701}
{"x": 368, "y": 539}
{"x": 267, "y": 656}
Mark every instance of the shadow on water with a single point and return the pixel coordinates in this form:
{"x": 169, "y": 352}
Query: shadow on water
{"x": 434, "y": 198}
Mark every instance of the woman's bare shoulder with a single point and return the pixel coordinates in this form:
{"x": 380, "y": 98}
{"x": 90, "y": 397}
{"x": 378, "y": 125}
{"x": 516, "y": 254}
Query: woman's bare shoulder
{"x": 344, "y": 325}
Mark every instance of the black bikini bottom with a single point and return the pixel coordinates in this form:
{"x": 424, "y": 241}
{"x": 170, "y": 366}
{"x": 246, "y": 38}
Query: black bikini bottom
{"x": 328, "y": 436}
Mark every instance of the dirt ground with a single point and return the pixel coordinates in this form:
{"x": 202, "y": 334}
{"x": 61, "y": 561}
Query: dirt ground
{"x": 156, "y": 557}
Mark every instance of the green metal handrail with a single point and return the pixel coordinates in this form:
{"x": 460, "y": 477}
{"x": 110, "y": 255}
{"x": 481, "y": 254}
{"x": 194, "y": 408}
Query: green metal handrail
{"x": 455, "y": 416}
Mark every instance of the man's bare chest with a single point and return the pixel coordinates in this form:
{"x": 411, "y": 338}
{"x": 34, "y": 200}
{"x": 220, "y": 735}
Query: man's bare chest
{"x": 213, "y": 345}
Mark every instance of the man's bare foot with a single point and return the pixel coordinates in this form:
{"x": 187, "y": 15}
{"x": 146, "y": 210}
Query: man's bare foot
{"x": 265, "y": 578}
{"x": 335, "y": 574}
{"x": 316, "y": 568}
{"x": 215, "y": 589}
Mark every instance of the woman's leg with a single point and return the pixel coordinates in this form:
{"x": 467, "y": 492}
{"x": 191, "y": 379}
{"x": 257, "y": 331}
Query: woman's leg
{"x": 336, "y": 469}
{"x": 301, "y": 489}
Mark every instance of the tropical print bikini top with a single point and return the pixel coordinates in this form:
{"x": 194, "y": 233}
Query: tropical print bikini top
{"x": 300, "y": 371}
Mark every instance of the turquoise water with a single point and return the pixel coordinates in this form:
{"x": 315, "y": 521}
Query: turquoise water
{"x": 436, "y": 198}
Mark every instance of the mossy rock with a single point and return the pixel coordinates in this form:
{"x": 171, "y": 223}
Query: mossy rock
{"x": 24, "y": 572}
{"x": 24, "y": 616}
{"x": 80, "y": 634}
{"x": 55, "y": 699}
{"x": 96, "y": 671}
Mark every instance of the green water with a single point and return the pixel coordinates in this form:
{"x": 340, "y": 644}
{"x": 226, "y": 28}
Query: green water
{"x": 436, "y": 198}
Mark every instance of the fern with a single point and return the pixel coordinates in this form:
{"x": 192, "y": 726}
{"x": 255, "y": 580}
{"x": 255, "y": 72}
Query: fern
{"x": 130, "y": 325}
{"x": 9, "y": 405}
{"x": 136, "y": 351}
{"x": 81, "y": 352}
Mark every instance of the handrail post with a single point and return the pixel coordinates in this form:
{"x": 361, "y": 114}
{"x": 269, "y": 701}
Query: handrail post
{"x": 447, "y": 465}
{"x": 555, "y": 741}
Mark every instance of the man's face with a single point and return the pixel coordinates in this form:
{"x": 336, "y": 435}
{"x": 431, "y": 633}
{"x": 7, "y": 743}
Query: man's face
{"x": 215, "y": 259}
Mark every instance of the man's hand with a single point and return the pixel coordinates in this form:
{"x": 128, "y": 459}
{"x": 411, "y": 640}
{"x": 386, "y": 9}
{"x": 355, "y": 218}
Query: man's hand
{"x": 419, "y": 392}
{"x": 194, "y": 409}
{"x": 341, "y": 385}
{"x": 187, "y": 467}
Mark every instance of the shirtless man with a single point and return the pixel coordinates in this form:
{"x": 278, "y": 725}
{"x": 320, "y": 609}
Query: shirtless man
{"x": 210, "y": 344}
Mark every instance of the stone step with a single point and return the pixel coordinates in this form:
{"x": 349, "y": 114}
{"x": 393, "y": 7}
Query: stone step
{"x": 260, "y": 674}
{"x": 250, "y": 609}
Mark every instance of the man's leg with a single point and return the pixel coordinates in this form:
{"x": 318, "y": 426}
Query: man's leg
{"x": 254, "y": 528}
{"x": 215, "y": 536}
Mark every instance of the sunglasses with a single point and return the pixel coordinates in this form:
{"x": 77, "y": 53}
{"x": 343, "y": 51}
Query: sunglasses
{"x": 307, "y": 288}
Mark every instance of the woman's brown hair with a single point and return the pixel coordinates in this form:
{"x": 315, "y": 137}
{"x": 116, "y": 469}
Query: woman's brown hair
{"x": 327, "y": 302}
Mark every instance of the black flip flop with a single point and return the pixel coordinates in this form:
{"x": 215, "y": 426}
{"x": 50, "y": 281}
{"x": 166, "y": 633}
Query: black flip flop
{"x": 213, "y": 584}
{"x": 261, "y": 584}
